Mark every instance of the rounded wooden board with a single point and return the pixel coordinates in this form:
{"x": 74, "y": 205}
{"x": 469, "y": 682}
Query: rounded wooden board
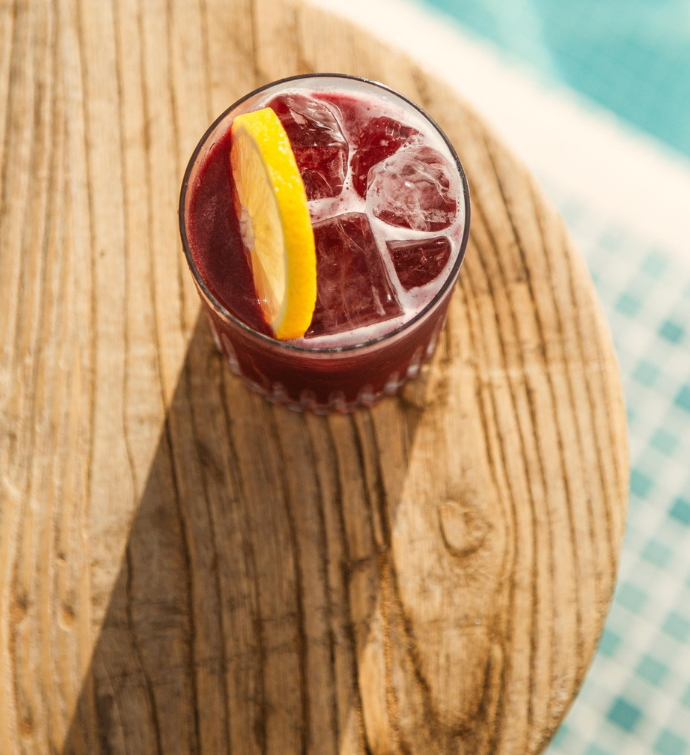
{"x": 185, "y": 569}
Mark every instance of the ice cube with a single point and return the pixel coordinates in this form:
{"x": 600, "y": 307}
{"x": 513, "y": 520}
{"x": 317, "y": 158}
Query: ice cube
{"x": 353, "y": 288}
{"x": 372, "y": 139}
{"x": 413, "y": 189}
{"x": 417, "y": 262}
{"x": 378, "y": 139}
{"x": 320, "y": 148}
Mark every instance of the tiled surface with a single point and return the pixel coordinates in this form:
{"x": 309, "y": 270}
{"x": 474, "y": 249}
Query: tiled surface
{"x": 636, "y": 697}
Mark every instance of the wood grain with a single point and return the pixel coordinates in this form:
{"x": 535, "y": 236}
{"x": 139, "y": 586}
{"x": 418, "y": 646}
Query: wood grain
{"x": 185, "y": 569}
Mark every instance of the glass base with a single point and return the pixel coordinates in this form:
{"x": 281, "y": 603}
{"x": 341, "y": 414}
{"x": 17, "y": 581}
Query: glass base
{"x": 366, "y": 397}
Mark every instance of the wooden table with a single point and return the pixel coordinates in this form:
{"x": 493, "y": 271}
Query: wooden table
{"x": 185, "y": 569}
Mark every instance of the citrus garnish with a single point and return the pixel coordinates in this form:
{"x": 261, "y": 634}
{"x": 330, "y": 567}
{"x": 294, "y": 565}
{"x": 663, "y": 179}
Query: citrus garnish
{"x": 271, "y": 204}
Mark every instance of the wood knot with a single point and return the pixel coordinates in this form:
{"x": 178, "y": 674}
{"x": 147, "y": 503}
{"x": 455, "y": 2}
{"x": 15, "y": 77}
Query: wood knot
{"x": 26, "y": 726}
{"x": 68, "y": 615}
{"x": 463, "y": 529}
{"x": 18, "y": 609}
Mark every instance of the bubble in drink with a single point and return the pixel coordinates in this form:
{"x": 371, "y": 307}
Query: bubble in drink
{"x": 353, "y": 288}
{"x": 320, "y": 148}
{"x": 419, "y": 261}
{"x": 413, "y": 189}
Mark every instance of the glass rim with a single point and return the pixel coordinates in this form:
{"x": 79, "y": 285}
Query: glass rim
{"x": 287, "y": 345}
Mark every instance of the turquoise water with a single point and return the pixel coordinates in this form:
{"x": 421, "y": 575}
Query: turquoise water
{"x": 631, "y": 56}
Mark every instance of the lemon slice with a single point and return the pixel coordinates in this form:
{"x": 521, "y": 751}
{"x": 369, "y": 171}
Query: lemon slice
{"x": 271, "y": 203}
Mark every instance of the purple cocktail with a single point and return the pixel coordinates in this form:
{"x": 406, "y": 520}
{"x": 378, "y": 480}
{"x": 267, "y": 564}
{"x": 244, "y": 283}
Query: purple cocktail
{"x": 389, "y": 206}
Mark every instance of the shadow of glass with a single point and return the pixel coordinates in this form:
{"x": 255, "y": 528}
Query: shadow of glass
{"x": 257, "y": 605}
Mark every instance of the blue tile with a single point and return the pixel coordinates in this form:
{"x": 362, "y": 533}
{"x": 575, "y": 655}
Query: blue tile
{"x": 624, "y": 714}
{"x": 652, "y": 670}
{"x": 671, "y": 331}
{"x": 561, "y": 735}
{"x": 631, "y": 596}
{"x": 680, "y": 510}
{"x": 677, "y": 626}
{"x": 628, "y": 305}
{"x": 609, "y": 643}
{"x": 670, "y": 743}
{"x": 596, "y": 750}
{"x": 611, "y": 239}
{"x": 631, "y": 415}
{"x": 654, "y": 265}
{"x": 657, "y": 553}
{"x": 683, "y": 398}
{"x": 665, "y": 442}
{"x": 685, "y": 699}
{"x": 640, "y": 483}
{"x": 645, "y": 372}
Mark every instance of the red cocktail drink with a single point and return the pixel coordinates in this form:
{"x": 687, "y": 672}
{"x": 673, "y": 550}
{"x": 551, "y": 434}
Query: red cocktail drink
{"x": 389, "y": 206}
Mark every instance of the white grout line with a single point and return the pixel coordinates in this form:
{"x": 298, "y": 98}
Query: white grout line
{"x": 569, "y": 142}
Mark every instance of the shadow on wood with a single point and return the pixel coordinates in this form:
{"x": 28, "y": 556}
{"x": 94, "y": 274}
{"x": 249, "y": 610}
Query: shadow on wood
{"x": 302, "y": 584}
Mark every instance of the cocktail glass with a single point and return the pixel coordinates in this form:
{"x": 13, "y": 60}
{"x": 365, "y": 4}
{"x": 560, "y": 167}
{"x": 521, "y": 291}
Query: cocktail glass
{"x": 324, "y": 378}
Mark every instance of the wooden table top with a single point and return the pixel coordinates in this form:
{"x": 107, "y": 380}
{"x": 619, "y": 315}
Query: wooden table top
{"x": 186, "y": 569}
